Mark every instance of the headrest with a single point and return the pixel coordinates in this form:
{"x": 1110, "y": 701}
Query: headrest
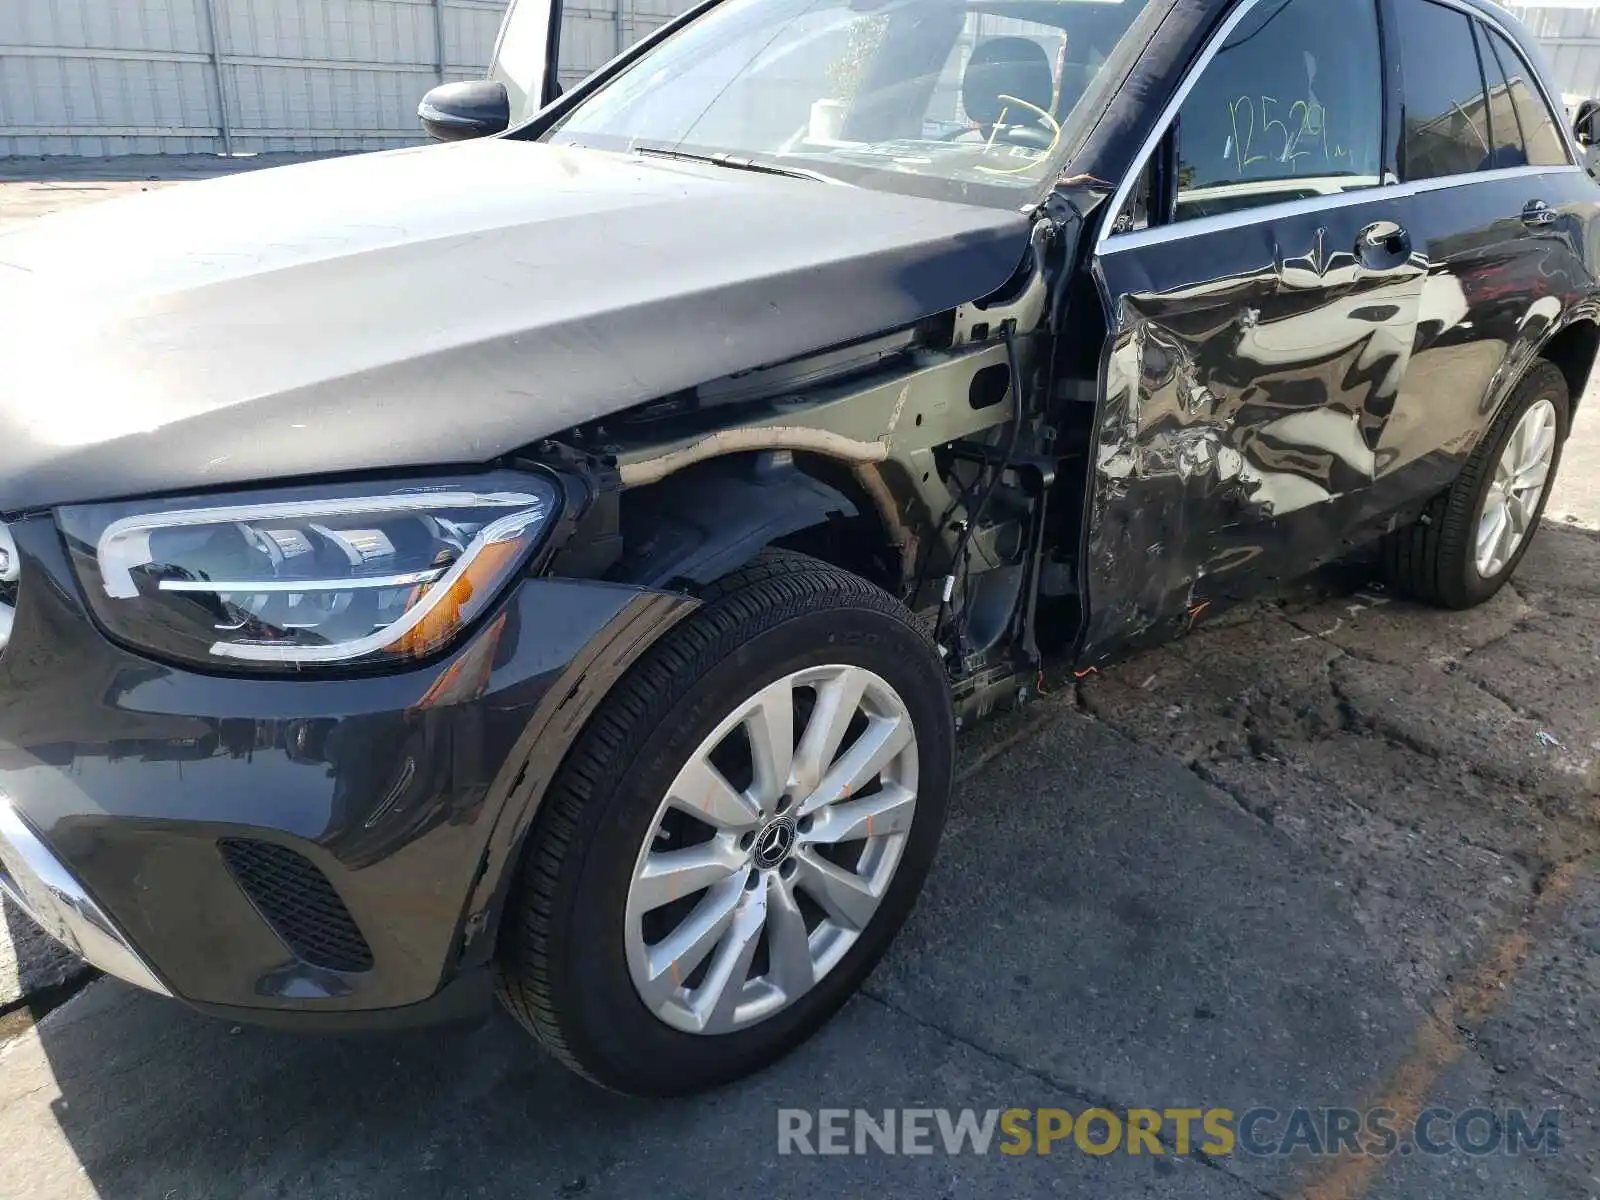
{"x": 1007, "y": 66}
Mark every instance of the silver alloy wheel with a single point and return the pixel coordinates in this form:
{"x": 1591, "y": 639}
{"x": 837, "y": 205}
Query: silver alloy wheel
{"x": 795, "y": 864}
{"x": 1519, "y": 481}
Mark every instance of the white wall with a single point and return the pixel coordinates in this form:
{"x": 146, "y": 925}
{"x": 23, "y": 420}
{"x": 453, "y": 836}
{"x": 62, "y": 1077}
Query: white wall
{"x": 1569, "y": 34}
{"x": 93, "y": 77}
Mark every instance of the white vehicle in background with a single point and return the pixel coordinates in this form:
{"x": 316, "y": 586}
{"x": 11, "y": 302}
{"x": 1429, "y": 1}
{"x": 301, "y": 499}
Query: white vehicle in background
{"x": 1582, "y": 112}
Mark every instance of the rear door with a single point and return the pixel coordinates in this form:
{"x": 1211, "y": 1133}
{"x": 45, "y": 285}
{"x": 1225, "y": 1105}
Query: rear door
{"x": 1496, "y": 210}
{"x": 1263, "y": 298}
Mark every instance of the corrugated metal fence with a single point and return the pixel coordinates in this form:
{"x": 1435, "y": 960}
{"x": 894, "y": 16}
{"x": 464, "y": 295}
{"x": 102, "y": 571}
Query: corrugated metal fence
{"x": 591, "y": 34}
{"x": 196, "y": 76}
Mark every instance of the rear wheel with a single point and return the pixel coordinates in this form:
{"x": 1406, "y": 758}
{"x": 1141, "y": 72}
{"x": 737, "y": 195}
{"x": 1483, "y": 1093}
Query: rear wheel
{"x": 736, "y": 837}
{"x": 1471, "y": 538}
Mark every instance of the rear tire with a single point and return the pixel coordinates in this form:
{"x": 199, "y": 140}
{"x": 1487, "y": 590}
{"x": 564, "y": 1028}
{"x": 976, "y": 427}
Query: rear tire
{"x": 1440, "y": 560}
{"x": 577, "y": 966}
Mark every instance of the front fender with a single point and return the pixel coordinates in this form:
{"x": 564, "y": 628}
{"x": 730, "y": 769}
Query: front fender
{"x": 519, "y": 788}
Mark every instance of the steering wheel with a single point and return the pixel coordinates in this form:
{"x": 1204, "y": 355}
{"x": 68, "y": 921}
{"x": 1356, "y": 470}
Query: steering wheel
{"x": 1032, "y": 136}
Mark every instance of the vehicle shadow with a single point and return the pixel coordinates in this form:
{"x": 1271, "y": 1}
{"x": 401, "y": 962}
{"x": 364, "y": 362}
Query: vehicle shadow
{"x": 46, "y": 973}
{"x": 154, "y": 1101}
{"x": 1058, "y": 934}
{"x": 1105, "y": 924}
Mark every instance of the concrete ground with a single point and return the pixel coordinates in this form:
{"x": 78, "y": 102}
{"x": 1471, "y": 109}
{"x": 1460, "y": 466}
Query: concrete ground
{"x": 1334, "y": 851}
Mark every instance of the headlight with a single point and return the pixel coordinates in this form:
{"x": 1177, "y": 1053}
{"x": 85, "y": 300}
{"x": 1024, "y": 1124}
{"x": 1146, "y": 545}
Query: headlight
{"x": 307, "y": 577}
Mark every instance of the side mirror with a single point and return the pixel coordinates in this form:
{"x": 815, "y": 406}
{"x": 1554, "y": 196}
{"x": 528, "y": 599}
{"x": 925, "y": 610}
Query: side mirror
{"x": 453, "y": 112}
{"x": 1584, "y": 129}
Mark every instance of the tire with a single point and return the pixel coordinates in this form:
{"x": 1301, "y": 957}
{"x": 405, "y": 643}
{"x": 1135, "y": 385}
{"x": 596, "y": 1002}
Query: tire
{"x": 564, "y": 965}
{"x": 1436, "y": 559}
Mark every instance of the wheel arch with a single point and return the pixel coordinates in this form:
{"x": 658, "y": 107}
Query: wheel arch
{"x": 712, "y": 518}
{"x": 678, "y": 537}
{"x": 1571, "y": 344}
{"x": 519, "y": 788}
{"x": 1573, "y": 349}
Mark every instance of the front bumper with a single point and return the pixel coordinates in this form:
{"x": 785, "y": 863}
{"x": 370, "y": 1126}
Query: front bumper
{"x": 35, "y": 881}
{"x": 285, "y": 846}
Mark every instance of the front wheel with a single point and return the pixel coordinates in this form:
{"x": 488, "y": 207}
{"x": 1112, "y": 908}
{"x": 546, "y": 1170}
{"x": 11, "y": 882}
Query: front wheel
{"x": 736, "y": 837}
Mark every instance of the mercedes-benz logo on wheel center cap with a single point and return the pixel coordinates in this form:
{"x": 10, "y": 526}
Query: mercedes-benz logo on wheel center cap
{"x": 774, "y": 844}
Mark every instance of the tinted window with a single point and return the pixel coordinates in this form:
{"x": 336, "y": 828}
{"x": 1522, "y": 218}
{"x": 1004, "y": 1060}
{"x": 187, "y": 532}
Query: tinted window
{"x": 1447, "y": 120}
{"x": 1505, "y": 129}
{"x": 1540, "y": 133}
{"x": 1291, "y": 107}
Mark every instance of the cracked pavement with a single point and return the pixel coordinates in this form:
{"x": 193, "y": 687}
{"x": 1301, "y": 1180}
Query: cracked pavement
{"x": 1336, "y": 849}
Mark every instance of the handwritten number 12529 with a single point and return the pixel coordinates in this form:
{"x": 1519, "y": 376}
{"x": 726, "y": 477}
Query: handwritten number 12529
{"x": 1254, "y": 135}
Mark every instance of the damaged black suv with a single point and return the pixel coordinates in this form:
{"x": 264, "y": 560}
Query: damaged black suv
{"x": 561, "y": 560}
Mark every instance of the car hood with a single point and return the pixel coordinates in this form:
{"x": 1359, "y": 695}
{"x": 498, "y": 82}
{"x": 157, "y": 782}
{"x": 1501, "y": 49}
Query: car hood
{"x": 433, "y": 306}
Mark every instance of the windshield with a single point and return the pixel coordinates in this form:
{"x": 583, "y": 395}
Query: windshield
{"x": 958, "y": 99}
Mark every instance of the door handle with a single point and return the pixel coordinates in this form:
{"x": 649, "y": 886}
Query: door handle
{"x": 1383, "y": 246}
{"x": 1537, "y": 213}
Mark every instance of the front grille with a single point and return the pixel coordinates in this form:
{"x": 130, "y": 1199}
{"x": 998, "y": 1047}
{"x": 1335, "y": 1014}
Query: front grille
{"x": 299, "y": 903}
